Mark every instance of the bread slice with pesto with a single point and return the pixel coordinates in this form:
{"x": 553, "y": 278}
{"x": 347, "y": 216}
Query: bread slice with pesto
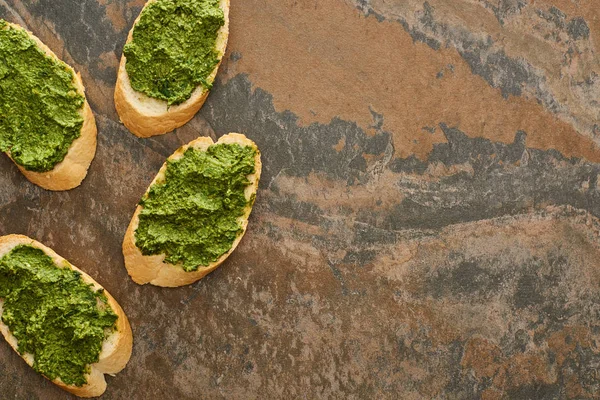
{"x": 194, "y": 213}
{"x": 60, "y": 320}
{"x": 169, "y": 63}
{"x": 46, "y": 124}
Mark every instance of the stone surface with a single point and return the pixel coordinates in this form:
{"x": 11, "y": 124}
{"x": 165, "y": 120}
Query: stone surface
{"x": 427, "y": 222}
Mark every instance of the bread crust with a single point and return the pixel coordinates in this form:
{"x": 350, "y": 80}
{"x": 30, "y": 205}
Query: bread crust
{"x": 152, "y": 269}
{"x": 116, "y": 349}
{"x": 145, "y": 116}
{"x": 70, "y": 172}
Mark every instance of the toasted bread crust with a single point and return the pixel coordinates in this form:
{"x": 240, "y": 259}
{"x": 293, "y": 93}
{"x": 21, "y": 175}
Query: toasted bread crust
{"x": 152, "y": 269}
{"x": 116, "y": 349}
{"x": 71, "y": 171}
{"x": 145, "y": 116}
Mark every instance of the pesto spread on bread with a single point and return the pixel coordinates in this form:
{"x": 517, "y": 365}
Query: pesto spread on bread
{"x": 39, "y": 103}
{"x": 54, "y": 315}
{"x": 173, "y": 48}
{"x": 193, "y": 215}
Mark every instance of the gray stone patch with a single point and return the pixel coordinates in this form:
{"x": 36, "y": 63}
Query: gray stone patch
{"x": 298, "y": 210}
{"x": 578, "y": 29}
{"x": 365, "y": 7}
{"x": 467, "y": 279}
{"x": 537, "y": 391}
{"x": 500, "y": 184}
{"x": 504, "y": 9}
{"x": 554, "y": 15}
{"x": 418, "y": 36}
{"x": 360, "y": 257}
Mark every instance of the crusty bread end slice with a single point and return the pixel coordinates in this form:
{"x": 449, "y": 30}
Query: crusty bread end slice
{"x": 145, "y": 116}
{"x": 71, "y": 171}
{"x": 152, "y": 269}
{"x": 116, "y": 349}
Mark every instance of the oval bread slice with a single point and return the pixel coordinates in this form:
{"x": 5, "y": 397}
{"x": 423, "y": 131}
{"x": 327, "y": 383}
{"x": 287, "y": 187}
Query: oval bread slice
{"x": 145, "y": 116}
{"x": 71, "y": 171}
{"x": 116, "y": 349}
{"x": 152, "y": 269}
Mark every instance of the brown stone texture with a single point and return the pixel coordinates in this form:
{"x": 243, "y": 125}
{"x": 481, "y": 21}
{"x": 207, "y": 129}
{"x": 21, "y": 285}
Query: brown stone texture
{"x": 427, "y": 222}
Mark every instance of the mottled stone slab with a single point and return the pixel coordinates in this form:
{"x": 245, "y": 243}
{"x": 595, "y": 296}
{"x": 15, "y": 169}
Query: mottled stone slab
{"x": 427, "y": 223}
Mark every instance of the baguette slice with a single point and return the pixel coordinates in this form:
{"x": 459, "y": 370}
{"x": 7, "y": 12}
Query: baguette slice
{"x": 152, "y": 269}
{"x": 71, "y": 171}
{"x": 116, "y": 349}
{"x": 145, "y": 116}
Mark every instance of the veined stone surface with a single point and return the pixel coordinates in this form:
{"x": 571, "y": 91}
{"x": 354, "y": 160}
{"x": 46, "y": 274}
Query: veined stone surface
{"x": 427, "y": 222}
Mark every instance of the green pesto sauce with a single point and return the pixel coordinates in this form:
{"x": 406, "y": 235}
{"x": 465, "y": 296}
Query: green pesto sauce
{"x": 54, "y": 314}
{"x": 39, "y": 103}
{"x": 173, "y": 48}
{"x": 192, "y": 217}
